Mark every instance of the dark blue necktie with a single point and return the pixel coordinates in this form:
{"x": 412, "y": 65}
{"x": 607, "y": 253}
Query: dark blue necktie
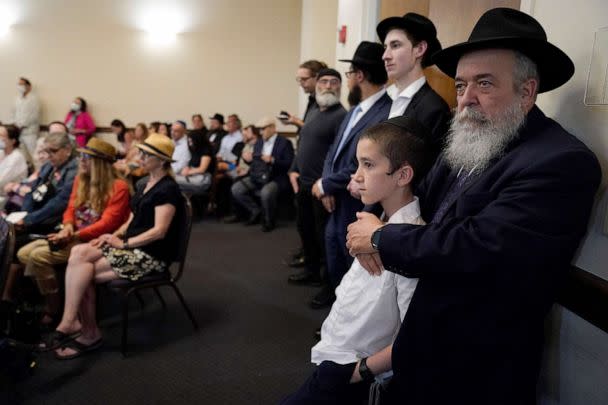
{"x": 457, "y": 185}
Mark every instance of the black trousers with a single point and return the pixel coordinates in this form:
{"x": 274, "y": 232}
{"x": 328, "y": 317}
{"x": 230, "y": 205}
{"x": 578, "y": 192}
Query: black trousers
{"x": 330, "y": 384}
{"x": 312, "y": 218}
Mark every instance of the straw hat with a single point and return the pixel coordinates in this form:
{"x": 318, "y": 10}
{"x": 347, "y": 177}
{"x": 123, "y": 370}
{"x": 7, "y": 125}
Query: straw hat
{"x": 99, "y": 149}
{"x": 158, "y": 145}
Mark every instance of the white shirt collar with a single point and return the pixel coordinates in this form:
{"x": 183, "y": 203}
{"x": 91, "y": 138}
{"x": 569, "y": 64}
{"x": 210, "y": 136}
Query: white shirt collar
{"x": 408, "y": 92}
{"x": 406, "y": 214}
{"x": 271, "y": 139}
{"x": 366, "y": 104}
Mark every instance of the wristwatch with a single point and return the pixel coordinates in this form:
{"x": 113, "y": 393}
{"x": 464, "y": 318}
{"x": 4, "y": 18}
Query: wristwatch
{"x": 376, "y": 238}
{"x": 365, "y": 373}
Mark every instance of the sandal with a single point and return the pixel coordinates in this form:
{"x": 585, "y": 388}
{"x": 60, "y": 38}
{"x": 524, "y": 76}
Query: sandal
{"x": 56, "y": 339}
{"x": 79, "y": 349}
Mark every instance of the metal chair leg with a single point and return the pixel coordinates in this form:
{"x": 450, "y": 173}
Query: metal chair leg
{"x": 140, "y": 299}
{"x": 186, "y": 308}
{"x": 160, "y": 297}
{"x": 125, "y": 323}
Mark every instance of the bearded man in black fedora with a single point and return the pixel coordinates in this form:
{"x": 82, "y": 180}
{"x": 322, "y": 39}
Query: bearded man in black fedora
{"x": 506, "y": 204}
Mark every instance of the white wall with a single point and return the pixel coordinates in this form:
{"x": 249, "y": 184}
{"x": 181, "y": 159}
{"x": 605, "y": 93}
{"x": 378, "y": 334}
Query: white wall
{"x": 360, "y": 18}
{"x": 319, "y": 36}
{"x": 232, "y": 56}
{"x": 576, "y": 358}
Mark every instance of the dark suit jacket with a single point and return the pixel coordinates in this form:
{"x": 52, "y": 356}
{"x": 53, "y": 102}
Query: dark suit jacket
{"x": 433, "y": 112}
{"x": 336, "y": 174}
{"x": 489, "y": 270}
{"x": 282, "y": 152}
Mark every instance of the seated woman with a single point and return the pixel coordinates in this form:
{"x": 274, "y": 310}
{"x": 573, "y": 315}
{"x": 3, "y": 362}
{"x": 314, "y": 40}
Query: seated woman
{"x": 16, "y": 191}
{"x": 129, "y": 166}
{"x": 122, "y": 136}
{"x": 196, "y": 178}
{"x": 13, "y": 166}
{"x": 147, "y": 242}
{"x": 99, "y": 204}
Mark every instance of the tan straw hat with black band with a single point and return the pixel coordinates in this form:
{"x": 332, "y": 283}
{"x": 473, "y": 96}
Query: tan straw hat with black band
{"x": 100, "y": 149}
{"x": 158, "y": 145}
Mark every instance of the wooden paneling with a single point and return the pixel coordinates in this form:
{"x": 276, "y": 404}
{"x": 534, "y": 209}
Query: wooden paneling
{"x": 454, "y": 20}
{"x": 390, "y": 8}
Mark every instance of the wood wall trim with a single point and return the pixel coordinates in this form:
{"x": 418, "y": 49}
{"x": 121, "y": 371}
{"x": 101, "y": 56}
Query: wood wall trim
{"x": 586, "y": 295}
{"x": 107, "y": 130}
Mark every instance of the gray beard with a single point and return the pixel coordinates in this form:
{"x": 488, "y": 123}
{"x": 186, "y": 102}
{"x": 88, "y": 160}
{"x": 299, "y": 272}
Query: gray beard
{"x": 327, "y": 99}
{"x": 474, "y": 139}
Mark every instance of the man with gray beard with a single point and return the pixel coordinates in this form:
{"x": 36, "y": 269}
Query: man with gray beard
{"x": 316, "y": 136}
{"x": 506, "y": 205}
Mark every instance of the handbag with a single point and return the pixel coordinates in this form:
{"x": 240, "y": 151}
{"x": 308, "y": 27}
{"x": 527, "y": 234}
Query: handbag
{"x": 259, "y": 171}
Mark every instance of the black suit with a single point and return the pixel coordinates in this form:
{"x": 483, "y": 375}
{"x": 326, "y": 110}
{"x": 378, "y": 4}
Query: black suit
{"x": 489, "y": 270}
{"x": 428, "y": 108}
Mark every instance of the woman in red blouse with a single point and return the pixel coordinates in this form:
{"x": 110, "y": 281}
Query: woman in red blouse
{"x": 99, "y": 204}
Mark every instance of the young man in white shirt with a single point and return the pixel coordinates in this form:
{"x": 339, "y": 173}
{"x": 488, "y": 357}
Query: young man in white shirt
{"x": 368, "y": 310}
{"x": 409, "y": 43}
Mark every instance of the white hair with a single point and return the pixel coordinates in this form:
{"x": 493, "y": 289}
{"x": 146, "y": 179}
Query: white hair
{"x": 328, "y": 98}
{"x": 475, "y": 139}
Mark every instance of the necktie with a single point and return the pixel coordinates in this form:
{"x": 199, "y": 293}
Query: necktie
{"x": 460, "y": 182}
{"x": 349, "y": 127}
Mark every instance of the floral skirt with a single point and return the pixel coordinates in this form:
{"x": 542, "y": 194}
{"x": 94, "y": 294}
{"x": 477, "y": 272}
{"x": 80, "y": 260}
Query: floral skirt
{"x": 133, "y": 263}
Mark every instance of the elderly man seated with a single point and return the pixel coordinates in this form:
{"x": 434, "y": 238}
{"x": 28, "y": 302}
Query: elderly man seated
{"x": 272, "y": 157}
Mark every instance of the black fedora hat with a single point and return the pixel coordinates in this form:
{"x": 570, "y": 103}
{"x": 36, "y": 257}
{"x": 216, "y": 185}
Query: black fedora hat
{"x": 416, "y": 25}
{"x": 368, "y": 54}
{"x": 219, "y": 117}
{"x": 506, "y": 28}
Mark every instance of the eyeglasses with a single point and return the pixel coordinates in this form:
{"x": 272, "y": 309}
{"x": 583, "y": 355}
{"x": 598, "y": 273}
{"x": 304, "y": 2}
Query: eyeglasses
{"x": 144, "y": 154}
{"x": 325, "y": 82}
{"x": 84, "y": 156}
{"x": 349, "y": 73}
{"x": 302, "y": 79}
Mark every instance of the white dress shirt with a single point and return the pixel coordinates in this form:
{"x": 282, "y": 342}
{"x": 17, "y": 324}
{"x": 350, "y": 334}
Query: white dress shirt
{"x": 13, "y": 168}
{"x": 269, "y": 145}
{"x": 402, "y": 100}
{"x": 368, "y": 311}
{"x": 181, "y": 155}
{"x": 26, "y": 113}
{"x": 228, "y": 142}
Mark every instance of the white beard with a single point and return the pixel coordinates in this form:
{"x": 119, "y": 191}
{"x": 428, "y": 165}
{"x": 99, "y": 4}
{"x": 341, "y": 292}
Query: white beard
{"x": 327, "y": 99}
{"x": 475, "y": 139}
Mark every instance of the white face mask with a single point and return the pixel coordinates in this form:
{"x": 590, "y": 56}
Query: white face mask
{"x": 2, "y": 144}
{"x": 21, "y": 89}
{"x": 75, "y": 107}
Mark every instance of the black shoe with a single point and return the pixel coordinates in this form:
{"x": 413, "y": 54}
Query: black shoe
{"x": 297, "y": 262}
{"x": 232, "y": 219}
{"x": 253, "y": 219}
{"x": 324, "y": 298}
{"x": 305, "y": 277}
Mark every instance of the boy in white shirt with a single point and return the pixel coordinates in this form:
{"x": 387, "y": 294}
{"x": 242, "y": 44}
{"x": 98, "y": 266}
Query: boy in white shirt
{"x": 368, "y": 310}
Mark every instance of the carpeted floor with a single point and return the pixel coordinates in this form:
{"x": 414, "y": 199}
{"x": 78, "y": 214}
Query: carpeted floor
{"x": 253, "y": 346}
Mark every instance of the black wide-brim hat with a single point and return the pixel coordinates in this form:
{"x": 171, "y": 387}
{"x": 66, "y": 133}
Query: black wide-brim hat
{"x": 368, "y": 54}
{"x": 418, "y": 26}
{"x": 506, "y": 28}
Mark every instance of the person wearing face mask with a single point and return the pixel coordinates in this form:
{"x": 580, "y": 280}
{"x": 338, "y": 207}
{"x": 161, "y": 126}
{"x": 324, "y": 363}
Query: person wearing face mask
{"x": 13, "y": 167}
{"x": 79, "y": 122}
{"x": 26, "y": 116}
